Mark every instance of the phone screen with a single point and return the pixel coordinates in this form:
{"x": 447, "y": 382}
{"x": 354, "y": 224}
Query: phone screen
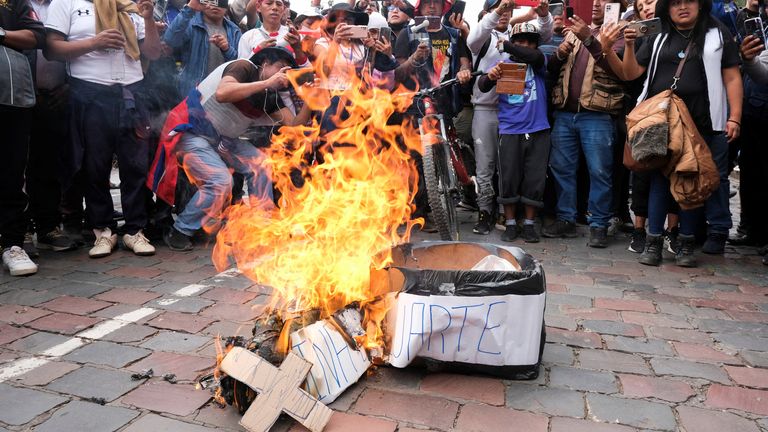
{"x": 556, "y": 9}
{"x": 569, "y": 12}
{"x": 754, "y": 27}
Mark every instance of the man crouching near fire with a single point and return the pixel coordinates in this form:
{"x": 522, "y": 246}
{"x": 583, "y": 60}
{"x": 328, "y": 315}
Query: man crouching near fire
{"x": 202, "y": 134}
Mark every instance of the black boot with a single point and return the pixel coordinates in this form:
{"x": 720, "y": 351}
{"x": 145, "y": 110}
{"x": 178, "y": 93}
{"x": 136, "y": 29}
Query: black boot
{"x": 685, "y": 257}
{"x": 652, "y": 254}
{"x": 483, "y": 225}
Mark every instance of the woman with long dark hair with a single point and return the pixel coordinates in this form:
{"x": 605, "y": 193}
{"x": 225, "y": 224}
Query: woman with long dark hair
{"x": 710, "y": 85}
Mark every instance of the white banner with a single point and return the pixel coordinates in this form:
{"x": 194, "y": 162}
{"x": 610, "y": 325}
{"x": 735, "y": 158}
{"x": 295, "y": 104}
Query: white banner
{"x": 335, "y": 366}
{"x": 492, "y": 330}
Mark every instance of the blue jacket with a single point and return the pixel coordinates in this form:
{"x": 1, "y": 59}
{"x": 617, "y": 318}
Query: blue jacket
{"x": 188, "y": 34}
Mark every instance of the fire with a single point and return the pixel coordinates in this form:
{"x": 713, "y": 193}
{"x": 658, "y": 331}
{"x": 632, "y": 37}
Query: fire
{"x": 317, "y": 247}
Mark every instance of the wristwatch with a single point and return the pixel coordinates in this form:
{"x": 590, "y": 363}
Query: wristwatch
{"x": 2, "y": 35}
{"x": 588, "y": 41}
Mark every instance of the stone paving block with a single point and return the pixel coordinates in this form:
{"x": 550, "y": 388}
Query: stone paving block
{"x": 580, "y": 379}
{"x": 78, "y": 289}
{"x": 159, "y": 396}
{"x": 223, "y": 418}
{"x": 107, "y": 353}
{"x": 702, "y": 420}
{"x": 625, "y": 305}
{"x": 590, "y": 313}
{"x": 46, "y": 373}
{"x": 557, "y": 402}
{"x": 637, "y": 413}
{"x": 641, "y": 346}
{"x": 63, "y": 323}
{"x": 738, "y": 341}
{"x": 74, "y": 305}
{"x": 568, "y": 299}
{"x": 415, "y": 409}
{"x": 185, "y": 367}
{"x": 129, "y": 261}
{"x": 89, "y": 381}
{"x": 726, "y": 326}
{"x": 349, "y": 397}
{"x": 80, "y": 276}
{"x": 682, "y": 335}
{"x": 130, "y": 333}
{"x": 228, "y": 295}
{"x": 225, "y": 329}
{"x": 19, "y": 405}
{"x": 561, "y": 322}
{"x": 396, "y": 378}
{"x": 759, "y": 317}
{"x": 557, "y": 354}
{"x": 180, "y": 304}
{"x": 127, "y": 296}
{"x": 154, "y": 422}
{"x": 84, "y": 416}
{"x": 166, "y": 288}
{"x": 190, "y": 323}
{"x": 26, "y": 297}
{"x": 724, "y": 305}
{"x": 15, "y": 314}
{"x": 612, "y": 361}
{"x": 343, "y": 422}
{"x": 574, "y": 338}
{"x": 176, "y": 342}
{"x": 748, "y": 377}
{"x": 232, "y": 312}
{"x": 704, "y": 354}
{"x": 564, "y": 424}
{"x": 749, "y": 400}
{"x": 613, "y": 328}
{"x": 671, "y": 366}
{"x": 656, "y": 319}
{"x": 38, "y": 342}
{"x": 131, "y": 282}
{"x": 469, "y": 388}
{"x": 120, "y": 309}
{"x": 239, "y": 282}
{"x": 755, "y": 359}
{"x": 482, "y": 418}
{"x": 138, "y": 272}
{"x": 637, "y": 386}
{"x": 10, "y": 333}
{"x": 95, "y": 266}
{"x": 595, "y": 291}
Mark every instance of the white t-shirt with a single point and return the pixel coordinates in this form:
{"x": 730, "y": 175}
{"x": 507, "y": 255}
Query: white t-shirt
{"x": 77, "y": 20}
{"x": 252, "y": 38}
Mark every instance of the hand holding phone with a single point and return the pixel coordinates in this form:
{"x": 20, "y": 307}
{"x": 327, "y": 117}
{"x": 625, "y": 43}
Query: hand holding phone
{"x": 357, "y": 31}
{"x": 646, "y": 28}
{"x": 556, "y": 9}
{"x": 754, "y": 27}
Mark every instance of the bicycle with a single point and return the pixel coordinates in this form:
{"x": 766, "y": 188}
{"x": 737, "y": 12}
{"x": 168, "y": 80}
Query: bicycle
{"x": 444, "y": 181}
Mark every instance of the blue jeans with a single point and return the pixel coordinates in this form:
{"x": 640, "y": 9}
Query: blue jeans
{"x": 208, "y": 166}
{"x": 594, "y": 134}
{"x": 716, "y": 208}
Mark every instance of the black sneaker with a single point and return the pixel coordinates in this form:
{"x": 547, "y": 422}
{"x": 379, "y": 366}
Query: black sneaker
{"x": 652, "y": 254}
{"x": 483, "y": 225}
{"x": 510, "y": 233}
{"x": 598, "y": 237}
{"x": 715, "y": 244}
{"x": 177, "y": 241}
{"x": 671, "y": 242}
{"x": 560, "y": 229}
{"x": 529, "y": 234}
{"x": 57, "y": 241}
{"x": 685, "y": 257}
{"x": 637, "y": 244}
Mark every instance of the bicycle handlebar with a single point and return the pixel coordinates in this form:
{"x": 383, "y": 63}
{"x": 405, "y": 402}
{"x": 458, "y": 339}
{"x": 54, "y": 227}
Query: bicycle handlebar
{"x": 432, "y": 90}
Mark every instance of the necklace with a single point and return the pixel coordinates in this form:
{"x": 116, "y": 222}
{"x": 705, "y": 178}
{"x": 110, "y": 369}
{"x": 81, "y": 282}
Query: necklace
{"x": 681, "y": 53}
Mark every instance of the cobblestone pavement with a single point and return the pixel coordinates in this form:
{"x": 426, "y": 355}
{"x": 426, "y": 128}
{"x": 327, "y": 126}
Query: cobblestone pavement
{"x": 628, "y": 348}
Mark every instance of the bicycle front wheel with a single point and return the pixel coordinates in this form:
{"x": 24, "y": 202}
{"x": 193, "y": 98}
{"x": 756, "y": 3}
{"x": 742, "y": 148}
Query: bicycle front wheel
{"x": 441, "y": 186}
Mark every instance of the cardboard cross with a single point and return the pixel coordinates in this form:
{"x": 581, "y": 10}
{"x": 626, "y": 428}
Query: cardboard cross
{"x": 278, "y": 390}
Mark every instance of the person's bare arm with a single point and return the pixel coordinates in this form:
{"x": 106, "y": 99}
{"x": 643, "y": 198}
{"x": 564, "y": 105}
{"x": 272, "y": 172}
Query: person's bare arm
{"x": 631, "y": 69}
{"x": 20, "y": 39}
{"x": 59, "y": 48}
{"x": 151, "y": 48}
{"x": 231, "y": 90}
{"x": 734, "y": 89}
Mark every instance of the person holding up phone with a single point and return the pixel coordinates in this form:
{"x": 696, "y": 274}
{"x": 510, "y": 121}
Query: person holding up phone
{"x": 587, "y": 94}
{"x": 205, "y": 37}
{"x": 716, "y": 112}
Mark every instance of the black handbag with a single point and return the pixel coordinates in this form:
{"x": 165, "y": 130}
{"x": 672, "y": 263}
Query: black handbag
{"x": 17, "y": 88}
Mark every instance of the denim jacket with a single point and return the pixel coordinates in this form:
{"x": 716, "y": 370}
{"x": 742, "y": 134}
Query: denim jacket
{"x": 187, "y": 33}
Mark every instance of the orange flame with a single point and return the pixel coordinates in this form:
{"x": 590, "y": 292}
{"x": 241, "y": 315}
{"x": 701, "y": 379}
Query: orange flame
{"x": 317, "y": 247}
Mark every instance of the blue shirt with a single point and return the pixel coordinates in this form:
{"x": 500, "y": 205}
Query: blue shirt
{"x": 525, "y": 113}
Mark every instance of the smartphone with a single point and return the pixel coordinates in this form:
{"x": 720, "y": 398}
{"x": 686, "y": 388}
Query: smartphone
{"x": 556, "y": 9}
{"x": 612, "y": 12}
{"x": 357, "y": 31}
{"x": 529, "y": 3}
{"x": 216, "y": 3}
{"x": 434, "y": 22}
{"x": 385, "y": 34}
{"x": 569, "y": 12}
{"x": 159, "y": 11}
{"x": 754, "y": 27}
{"x": 457, "y": 8}
{"x": 301, "y": 76}
{"x": 646, "y": 28}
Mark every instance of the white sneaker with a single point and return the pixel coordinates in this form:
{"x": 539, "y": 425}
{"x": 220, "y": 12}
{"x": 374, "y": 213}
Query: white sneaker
{"x": 104, "y": 245}
{"x": 17, "y": 262}
{"x": 138, "y": 244}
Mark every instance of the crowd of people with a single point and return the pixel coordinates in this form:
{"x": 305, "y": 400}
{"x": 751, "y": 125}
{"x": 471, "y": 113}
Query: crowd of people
{"x": 203, "y": 85}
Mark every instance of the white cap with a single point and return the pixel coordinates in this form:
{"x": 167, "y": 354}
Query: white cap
{"x": 377, "y": 20}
